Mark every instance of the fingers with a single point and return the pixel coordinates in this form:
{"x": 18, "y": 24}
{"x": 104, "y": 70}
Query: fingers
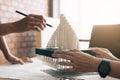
{"x": 42, "y": 21}
{"x": 22, "y": 60}
{"x": 38, "y": 21}
{"x": 101, "y": 52}
{"x": 64, "y": 54}
{"x": 36, "y": 25}
{"x": 18, "y": 61}
{"x": 38, "y": 17}
{"x": 97, "y": 50}
{"x": 78, "y": 60}
{"x": 26, "y": 59}
{"x": 69, "y": 55}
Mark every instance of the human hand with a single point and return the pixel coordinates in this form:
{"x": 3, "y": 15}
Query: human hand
{"x": 26, "y": 59}
{"x": 15, "y": 60}
{"x": 30, "y": 22}
{"x": 103, "y": 53}
{"x": 80, "y": 62}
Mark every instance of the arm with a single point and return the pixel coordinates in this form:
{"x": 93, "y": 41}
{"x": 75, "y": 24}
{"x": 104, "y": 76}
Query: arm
{"x": 115, "y": 62}
{"x": 4, "y": 47}
{"x": 115, "y": 69}
{"x": 10, "y": 57}
{"x": 82, "y": 62}
{"x": 6, "y": 28}
{"x": 31, "y": 22}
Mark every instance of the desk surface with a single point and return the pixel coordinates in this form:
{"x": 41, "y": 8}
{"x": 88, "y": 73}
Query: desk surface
{"x": 38, "y": 71}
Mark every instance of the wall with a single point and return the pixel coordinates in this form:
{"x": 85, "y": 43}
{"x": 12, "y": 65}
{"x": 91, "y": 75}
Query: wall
{"x": 21, "y": 44}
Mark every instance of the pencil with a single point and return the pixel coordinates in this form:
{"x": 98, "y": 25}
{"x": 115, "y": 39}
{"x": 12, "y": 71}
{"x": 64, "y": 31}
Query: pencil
{"x": 26, "y": 15}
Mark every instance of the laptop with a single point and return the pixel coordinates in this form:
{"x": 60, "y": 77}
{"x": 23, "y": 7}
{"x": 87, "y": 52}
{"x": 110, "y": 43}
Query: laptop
{"x": 106, "y": 36}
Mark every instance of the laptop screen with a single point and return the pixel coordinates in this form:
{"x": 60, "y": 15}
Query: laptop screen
{"x": 106, "y": 36}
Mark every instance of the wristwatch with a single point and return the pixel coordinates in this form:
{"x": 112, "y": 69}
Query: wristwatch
{"x": 104, "y": 68}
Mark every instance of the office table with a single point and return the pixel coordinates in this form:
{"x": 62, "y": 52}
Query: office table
{"x": 39, "y": 71}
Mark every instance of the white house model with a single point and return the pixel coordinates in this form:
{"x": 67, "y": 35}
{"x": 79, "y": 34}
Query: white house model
{"x": 64, "y": 37}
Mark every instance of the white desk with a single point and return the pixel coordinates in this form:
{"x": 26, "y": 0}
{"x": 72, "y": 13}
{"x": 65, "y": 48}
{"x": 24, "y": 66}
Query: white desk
{"x": 39, "y": 71}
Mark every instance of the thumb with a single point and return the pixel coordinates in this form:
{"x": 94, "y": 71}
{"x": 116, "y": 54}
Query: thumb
{"x": 21, "y": 61}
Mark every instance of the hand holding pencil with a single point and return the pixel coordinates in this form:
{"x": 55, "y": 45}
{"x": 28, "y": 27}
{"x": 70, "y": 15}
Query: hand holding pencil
{"x": 31, "y": 22}
{"x": 27, "y": 15}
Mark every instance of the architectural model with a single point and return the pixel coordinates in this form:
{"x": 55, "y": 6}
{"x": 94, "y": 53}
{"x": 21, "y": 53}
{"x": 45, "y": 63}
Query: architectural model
{"x": 64, "y": 37}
